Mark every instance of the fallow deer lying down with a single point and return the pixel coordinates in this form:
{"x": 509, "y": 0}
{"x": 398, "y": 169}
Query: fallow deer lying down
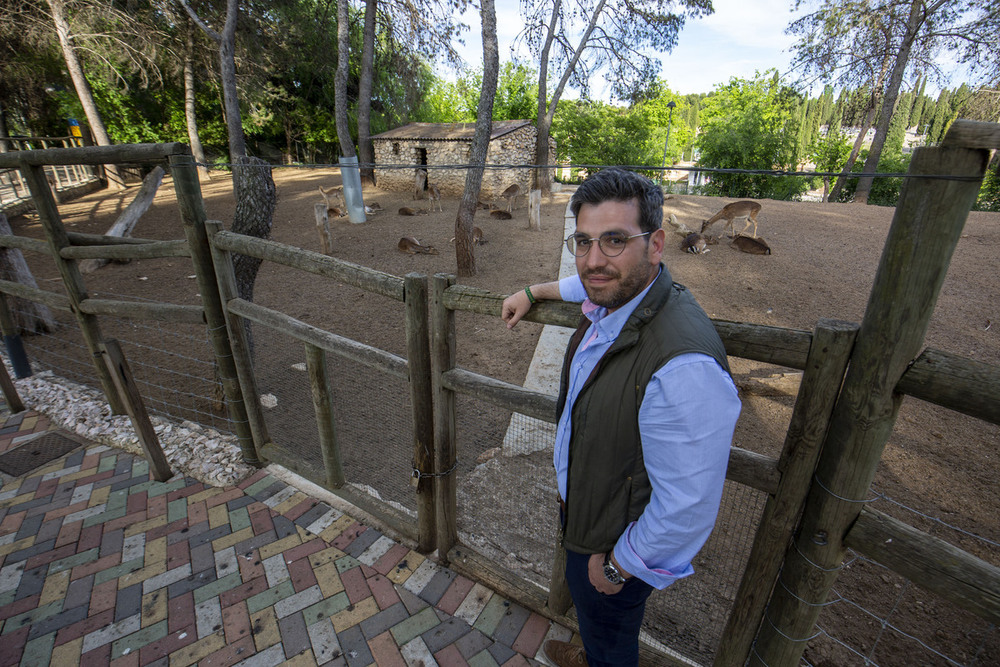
{"x": 755, "y": 246}
{"x": 406, "y": 210}
{"x": 500, "y": 215}
{"x": 698, "y": 243}
{"x": 745, "y": 209}
{"x": 412, "y": 246}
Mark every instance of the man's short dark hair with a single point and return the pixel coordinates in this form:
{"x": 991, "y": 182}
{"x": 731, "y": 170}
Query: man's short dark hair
{"x": 617, "y": 184}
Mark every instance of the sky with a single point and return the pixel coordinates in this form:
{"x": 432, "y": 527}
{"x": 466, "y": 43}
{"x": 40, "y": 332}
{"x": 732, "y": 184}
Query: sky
{"x": 738, "y": 39}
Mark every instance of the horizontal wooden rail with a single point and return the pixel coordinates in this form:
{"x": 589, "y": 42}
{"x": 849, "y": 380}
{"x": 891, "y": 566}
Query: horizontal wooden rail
{"x": 355, "y": 275}
{"x": 966, "y": 386}
{"x": 178, "y": 248}
{"x": 131, "y": 153}
{"x": 754, "y": 470}
{"x": 929, "y": 562}
{"x": 509, "y": 396}
{"x": 776, "y": 345}
{"x": 24, "y": 243}
{"x": 163, "y": 312}
{"x": 50, "y": 299}
{"x": 773, "y": 345}
{"x": 79, "y": 238}
{"x": 344, "y": 347}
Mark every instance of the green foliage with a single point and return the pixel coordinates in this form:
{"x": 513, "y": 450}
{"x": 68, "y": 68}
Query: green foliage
{"x": 458, "y": 102}
{"x": 830, "y": 153}
{"x": 749, "y": 124}
{"x": 989, "y": 193}
{"x": 885, "y": 190}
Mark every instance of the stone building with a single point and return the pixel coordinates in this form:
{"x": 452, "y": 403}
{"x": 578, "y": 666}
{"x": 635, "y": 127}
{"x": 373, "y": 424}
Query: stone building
{"x": 401, "y": 152}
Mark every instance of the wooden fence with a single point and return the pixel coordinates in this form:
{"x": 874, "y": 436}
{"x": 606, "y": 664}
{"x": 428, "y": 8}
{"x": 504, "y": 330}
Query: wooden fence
{"x": 854, "y": 377}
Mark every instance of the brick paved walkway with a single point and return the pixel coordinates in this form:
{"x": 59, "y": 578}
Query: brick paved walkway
{"x": 99, "y": 565}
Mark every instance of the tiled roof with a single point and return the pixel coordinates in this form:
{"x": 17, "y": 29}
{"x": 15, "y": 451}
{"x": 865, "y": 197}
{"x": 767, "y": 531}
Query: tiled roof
{"x": 450, "y": 131}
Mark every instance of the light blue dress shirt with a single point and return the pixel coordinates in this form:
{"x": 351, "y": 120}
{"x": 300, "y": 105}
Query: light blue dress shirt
{"x": 686, "y": 424}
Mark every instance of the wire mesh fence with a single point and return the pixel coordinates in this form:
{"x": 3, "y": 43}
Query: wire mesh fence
{"x": 506, "y": 486}
{"x": 372, "y": 418}
{"x": 173, "y": 364}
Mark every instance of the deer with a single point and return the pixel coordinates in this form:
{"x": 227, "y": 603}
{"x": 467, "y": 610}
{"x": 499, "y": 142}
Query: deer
{"x": 477, "y": 237}
{"x": 500, "y": 215}
{"x": 511, "y": 194}
{"x": 755, "y": 246}
{"x": 412, "y": 246}
{"x": 698, "y": 243}
{"x": 406, "y": 210}
{"x": 434, "y": 194}
{"x": 334, "y": 197}
{"x": 741, "y": 209}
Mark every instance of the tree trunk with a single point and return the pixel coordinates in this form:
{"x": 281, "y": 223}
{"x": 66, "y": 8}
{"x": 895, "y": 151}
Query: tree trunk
{"x": 4, "y": 134}
{"x": 197, "y": 151}
{"x": 855, "y": 150}
{"x": 75, "y": 68}
{"x": 913, "y": 25}
{"x": 464, "y": 255}
{"x": 130, "y": 216}
{"x": 543, "y": 177}
{"x": 29, "y": 316}
{"x": 227, "y": 68}
{"x": 256, "y": 198}
{"x": 542, "y": 123}
{"x": 340, "y": 82}
{"x": 366, "y": 150}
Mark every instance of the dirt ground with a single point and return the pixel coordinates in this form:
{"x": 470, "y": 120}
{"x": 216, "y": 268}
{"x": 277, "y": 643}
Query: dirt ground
{"x": 822, "y": 265}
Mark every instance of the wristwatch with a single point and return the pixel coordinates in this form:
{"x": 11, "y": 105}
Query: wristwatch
{"x": 611, "y": 572}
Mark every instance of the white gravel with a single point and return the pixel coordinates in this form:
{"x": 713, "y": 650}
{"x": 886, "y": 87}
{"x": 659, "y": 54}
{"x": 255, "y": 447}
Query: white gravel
{"x": 194, "y": 450}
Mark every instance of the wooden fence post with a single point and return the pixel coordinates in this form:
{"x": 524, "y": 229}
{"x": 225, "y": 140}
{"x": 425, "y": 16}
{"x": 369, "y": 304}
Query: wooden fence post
{"x": 323, "y": 405}
{"x": 55, "y": 233}
{"x": 159, "y": 467}
{"x": 925, "y": 230}
{"x": 445, "y": 447}
{"x": 418, "y": 362}
{"x": 825, "y": 366}
{"x": 10, "y": 394}
{"x": 188, "y": 189}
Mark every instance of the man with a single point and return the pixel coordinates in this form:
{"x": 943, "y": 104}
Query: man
{"x": 647, "y": 410}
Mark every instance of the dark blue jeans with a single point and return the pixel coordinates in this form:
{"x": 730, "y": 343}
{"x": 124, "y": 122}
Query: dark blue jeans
{"x": 609, "y": 624}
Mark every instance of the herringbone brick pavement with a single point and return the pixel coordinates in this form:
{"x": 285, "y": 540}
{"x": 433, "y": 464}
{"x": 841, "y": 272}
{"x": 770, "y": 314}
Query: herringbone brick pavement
{"x": 99, "y": 565}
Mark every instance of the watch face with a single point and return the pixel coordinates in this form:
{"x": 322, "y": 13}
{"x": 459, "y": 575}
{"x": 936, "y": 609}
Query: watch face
{"x": 612, "y": 574}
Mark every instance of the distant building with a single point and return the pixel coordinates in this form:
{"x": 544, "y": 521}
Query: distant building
{"x": 401, "y": 152}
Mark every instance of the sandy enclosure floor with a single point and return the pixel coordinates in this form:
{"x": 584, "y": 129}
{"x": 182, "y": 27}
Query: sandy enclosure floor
{"x": 822, "y": 265}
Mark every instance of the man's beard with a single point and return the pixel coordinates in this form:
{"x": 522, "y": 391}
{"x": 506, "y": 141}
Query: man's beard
{"x": 629, "y": 284}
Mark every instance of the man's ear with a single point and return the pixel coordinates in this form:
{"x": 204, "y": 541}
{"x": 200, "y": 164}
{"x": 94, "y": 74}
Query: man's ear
{"x": 657, "y": 243}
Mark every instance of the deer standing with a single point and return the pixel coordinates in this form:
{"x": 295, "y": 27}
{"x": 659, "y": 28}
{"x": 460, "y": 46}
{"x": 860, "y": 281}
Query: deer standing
{"x": 434, "y": 194}
{"x": 511, "y": 194}
{"x": 334, "y": 197}
{"x": 741, "y": 209}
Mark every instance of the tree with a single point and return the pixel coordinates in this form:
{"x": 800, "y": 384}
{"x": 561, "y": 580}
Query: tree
{"x": 878, "y": 41}
{"x": 616, "y": 36}
{"x": 253, "y": 186}
{"x": 748, "y": 124}
{"x": 829, "y": 154}
{"x": 464, "y": 255}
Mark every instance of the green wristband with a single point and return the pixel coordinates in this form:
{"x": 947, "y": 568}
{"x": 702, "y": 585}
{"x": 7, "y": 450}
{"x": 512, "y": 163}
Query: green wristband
{"x": 531, "y": 298}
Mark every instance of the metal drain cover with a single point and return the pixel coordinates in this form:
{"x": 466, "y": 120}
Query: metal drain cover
{"x": 34, "y": 453}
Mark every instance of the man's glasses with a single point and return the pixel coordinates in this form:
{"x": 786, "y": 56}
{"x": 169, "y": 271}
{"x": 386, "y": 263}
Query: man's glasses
{"x": 612, "y": 243}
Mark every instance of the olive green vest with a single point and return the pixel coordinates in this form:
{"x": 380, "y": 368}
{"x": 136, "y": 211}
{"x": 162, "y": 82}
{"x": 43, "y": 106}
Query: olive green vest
{"x": 608, "y": 486}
